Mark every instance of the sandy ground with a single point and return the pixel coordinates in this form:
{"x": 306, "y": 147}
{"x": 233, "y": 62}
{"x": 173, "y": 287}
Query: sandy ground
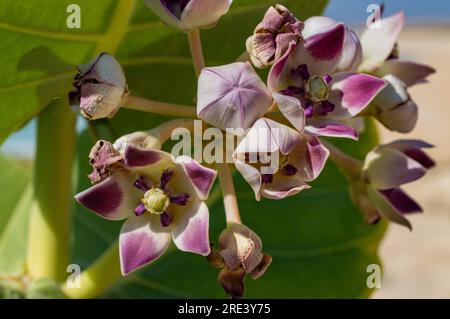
{"x": 417, "y": 264}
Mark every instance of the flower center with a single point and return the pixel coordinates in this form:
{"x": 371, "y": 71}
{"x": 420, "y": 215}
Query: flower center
{"x": 317, "y": 88}
{"x": 156, "y": 201}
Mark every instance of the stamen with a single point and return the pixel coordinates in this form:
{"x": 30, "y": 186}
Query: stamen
{"x": 293, "y": 91}
{"x": 267, "y": 178}
{"x": 165, "y": 178}
{"x": 140, "y": 210}
{"x": 165, "y": 219}
{"x": 289, "y": 170}
{"x": 302, "y": 70}
{"x": 141, "y": 184}
{"x": 327, "y": 107}
{"x": 327, "y": 78}
{"x": 309, "y": 109}
{"x": 180, "y": 199}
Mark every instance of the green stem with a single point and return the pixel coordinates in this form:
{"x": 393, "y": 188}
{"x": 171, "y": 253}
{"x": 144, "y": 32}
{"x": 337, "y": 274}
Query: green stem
{"x": 104, "y": 272}
{"x": 229, "y": 194}
{"x": 350, "y": 166}
{"x": 195, "y": 44}
{"x": 144, "y": 105}
{"x": 49, "y": 230}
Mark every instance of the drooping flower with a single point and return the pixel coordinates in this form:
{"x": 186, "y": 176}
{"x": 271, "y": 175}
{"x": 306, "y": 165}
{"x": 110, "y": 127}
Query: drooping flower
{"x": 308, "y": 72}
{"x": 190, "y": 14}
{"x": 99, "y": 88}
{"x": 240, "y": 254}
{"x": 232, "y": 96}
{"x": 273, "y": 35}
{"x": 393, "y": 106}
{"x": 161, "y": 198}
{"x": 386, "y": 168}
{"x": 381, "y": 57}
{"x": 298, "y": 159}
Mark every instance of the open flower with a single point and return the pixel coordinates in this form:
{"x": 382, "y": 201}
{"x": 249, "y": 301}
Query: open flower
{"x": 99, "y": 88}
{"x": 277, "y": 161}
{"x": 380, "y": 53}
{"x": 273, "y": 35}
{"x": 161, "y": 198}
{"x": 393, "y": 106}
{"x": 385, "y": 169}
{"x": 308, "y": 72}
{"x": 240, "y": 254}
{"x": 190, "y": 14}
{"x": 232, "y": 96}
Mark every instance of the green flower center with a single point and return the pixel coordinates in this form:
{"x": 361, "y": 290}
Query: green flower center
{"x": 156, "y": 201}
{"x": 317, "y": 88}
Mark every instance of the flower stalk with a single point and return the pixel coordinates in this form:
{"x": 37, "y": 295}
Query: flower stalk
{"x": 144, "y": 105}
{"x": 229, "y": 194}
{"x": 98, "y": 277}
{"x": 49, "y": 229}
{"x": 195, "y": 44}
{"x": 350, "y": 166}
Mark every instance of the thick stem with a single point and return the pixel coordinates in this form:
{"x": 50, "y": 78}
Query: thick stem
{"x": 164, "y": 131}
{"x": 229, "y": 195}
{"x": 350, "y": 166}
{"x": 49, "y": 230}
{"x": 101, "y": 275}
{"x": 195, "y": 45}
{"x": 144, "y": 105}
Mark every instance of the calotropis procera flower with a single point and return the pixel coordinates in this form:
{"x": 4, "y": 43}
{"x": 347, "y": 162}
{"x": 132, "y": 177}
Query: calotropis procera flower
{"x": 273, "y": 35}
{"x": 300, "y": 159}
{"x": 161, "y": 198}
{"x": 190, "y": 14}
{"x": 240, "y": 254}
{"x": 232, "y": 96}
{"x": 308, "y": 72}
{"x": 99, "y": 88}
{"x": 385, "y": 169}
{"x": 393, "y": 106}
{"x": 380, "y": 53}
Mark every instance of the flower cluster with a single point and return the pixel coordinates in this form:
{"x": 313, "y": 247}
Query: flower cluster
{"x": 322, "y": 78}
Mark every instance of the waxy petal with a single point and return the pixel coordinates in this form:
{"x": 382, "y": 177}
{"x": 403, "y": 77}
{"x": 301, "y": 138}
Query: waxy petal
{"x": 280, "y": 71}
{"x": 232, "y": 96}
{"x": 251, "y": 175}
{"x": 378, "y": 43}
{"x": 352, "y": 92}
{"x": 413, "y": 149}
{"x": 402, "y": 119}
{"x": 283, "y": 186}
{"x": 310, "y": 158}
{"x": 201, "y": 178}
{"x": 291, "y": 109}
{"x": 135, "y": 156}
{"x": 115, "y": 198}
{"x": 387, "y": 168}
{"x": 142, "y": 240}
{"x": 352, "y": 54}
{"x": 388, "y": 209}
{"x": 409, "y": 72}
{"x": 190, "y": 228}
{"x": 331, "y": 129}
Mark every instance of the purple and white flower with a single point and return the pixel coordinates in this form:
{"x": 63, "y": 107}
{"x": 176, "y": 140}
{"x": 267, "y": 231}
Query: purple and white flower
{"x": 385, "y": 169}
{"x": 190, "y": 14}
{"x": 309, "y": 72}
{"x": 380, "y": 53}
{"x": 300, "y": 159}
{"x": 161, "y": 199}
{"x": 99, "y": 88}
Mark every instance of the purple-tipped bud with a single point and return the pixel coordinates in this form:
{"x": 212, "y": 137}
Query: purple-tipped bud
{"x": 273, "y": 35}
{"x": 189, "y": 14}
{"x": 99, "y": 88}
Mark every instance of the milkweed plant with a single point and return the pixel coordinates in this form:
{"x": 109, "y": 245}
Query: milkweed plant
{"x": 272, "y": 116}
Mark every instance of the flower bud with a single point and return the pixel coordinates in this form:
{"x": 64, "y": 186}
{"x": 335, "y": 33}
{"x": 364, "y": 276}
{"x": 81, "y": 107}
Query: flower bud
{"x": 190, "y": 14}
{"x": 240, "y": 249}
{"x": 273, "y": 35}
{"x": 99, "y": 88}
{"x": 232, "y": 96}
{"x": 394, "y": 108}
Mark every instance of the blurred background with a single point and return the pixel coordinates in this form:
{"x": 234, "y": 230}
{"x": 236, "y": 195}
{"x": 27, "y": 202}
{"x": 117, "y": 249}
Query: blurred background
{"x": 416, "y": 265}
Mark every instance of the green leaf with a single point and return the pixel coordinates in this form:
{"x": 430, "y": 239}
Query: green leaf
{"x": 15, "y": 202}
